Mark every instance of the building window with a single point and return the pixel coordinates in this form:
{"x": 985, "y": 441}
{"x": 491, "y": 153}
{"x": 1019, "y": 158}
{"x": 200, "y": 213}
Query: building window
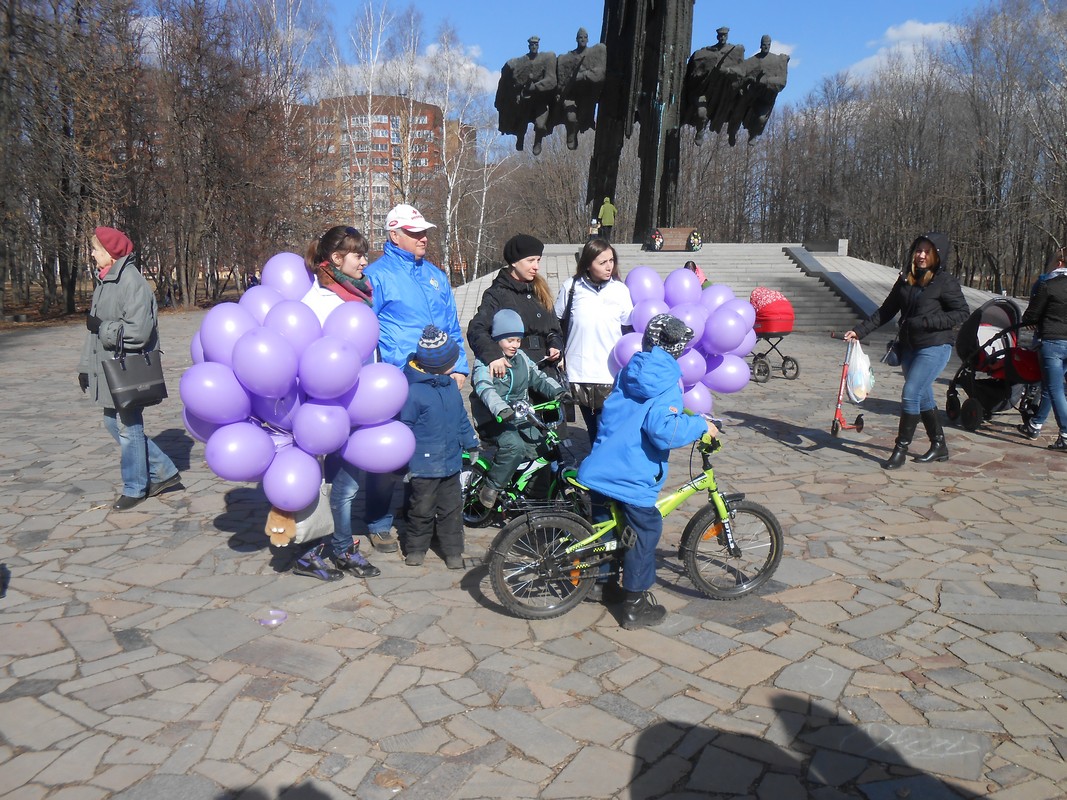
{"x": 380, "y": 147}
{"x": 422, "y": 162}
{"x": 397, "y": 166}
{"x": 380, "y": 118}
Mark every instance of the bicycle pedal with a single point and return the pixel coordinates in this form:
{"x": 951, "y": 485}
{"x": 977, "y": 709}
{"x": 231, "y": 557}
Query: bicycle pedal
{"x": 628, "y": 537}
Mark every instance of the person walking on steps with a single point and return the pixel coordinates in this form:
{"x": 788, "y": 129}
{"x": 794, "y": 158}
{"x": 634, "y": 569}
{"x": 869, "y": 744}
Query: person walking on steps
{"x": 931, "y": 305}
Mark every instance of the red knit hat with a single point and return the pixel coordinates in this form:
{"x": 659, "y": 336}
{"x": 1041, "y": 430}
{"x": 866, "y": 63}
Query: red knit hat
{"x": 116, "y": 243}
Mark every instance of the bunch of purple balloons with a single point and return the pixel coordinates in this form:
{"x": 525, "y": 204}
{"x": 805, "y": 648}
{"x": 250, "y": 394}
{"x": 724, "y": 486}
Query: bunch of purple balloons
{"x": 271, "y": 390}
{"x": 714, "y": 360}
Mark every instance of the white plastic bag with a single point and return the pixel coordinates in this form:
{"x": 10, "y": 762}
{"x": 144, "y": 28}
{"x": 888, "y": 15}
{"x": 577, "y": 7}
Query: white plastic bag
{"x": 316, "y": 520}
{"x": 860, "y": 379}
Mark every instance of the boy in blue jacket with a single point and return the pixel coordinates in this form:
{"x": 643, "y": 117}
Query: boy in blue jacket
{"x": 434, "y": 412}
{"x": 642, "y": 421}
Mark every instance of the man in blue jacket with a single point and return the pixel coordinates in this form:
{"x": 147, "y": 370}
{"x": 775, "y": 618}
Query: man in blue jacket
{"x": 642, "y": 421}
{"x": 409, "y": 294}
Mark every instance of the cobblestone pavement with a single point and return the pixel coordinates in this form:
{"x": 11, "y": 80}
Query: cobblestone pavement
{"x": 911, "y": 644}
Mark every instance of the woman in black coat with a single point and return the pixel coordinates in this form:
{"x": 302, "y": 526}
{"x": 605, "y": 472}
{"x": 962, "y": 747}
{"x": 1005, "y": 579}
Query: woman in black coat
{"x": 931, "y": 305}
{"x": 519, "y": 287}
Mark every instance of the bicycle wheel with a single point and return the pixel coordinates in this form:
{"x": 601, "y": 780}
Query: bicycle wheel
{"x": 528, "y": 570}
{"x": 723, "y": 575}
{"x": 475, "y": 515}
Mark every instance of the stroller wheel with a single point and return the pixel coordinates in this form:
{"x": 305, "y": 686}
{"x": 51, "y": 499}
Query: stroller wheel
{"x": 761, "y": 370}
{"x": 790, "y": 368}
{"x": 971, "y": 414}
{"x": 952, "y": 407}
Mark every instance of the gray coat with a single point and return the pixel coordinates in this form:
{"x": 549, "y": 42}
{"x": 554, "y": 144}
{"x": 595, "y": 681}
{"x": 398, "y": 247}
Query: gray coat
{"x": 124, "y": 302}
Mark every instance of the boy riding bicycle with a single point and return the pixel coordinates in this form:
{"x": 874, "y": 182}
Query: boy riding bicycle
{"x": 516, "y": 440}
{"x": 642, "y": 421}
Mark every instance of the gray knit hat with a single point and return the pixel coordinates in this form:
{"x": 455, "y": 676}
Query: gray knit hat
{"x": 436, "y": 353}
{"x": 667, "y": 332}
{"x": 507, "y": 323}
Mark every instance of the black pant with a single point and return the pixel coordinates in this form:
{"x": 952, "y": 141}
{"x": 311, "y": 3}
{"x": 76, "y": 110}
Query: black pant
{"x": 430, "y": 503}
{"x": 605, "y": 232}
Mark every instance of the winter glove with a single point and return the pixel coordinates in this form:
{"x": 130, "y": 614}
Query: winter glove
{"x": 83, "y": 381}
{"x": 505, "y": 415}
{"x": 92, "y": 322}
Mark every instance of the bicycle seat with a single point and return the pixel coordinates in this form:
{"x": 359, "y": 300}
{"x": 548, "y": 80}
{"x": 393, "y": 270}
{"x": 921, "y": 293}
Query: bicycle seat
{"x": 573, "y": 481}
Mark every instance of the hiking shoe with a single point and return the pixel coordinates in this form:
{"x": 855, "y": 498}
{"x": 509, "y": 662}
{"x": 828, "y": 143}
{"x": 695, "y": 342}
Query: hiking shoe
{"x": 606, "y": 592}
{"x": 353, "y": 561}
{"x": 454, "y": 562}
{"x": 126, "y": 502}
{"x": 163, "y": 485}
{"x": 487, "y": 495}
{"x": 312, "y": 565}
{"x": 1028, "y": 430}
{"x": 414, "y": 559}
{"x": 641, "y": 611}
{"x": 1060, "y": 444}
{"x": 383, "y": 542}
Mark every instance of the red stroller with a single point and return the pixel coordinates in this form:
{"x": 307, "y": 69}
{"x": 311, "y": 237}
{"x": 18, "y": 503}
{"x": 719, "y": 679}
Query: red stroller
{"x": 774, "y": 321}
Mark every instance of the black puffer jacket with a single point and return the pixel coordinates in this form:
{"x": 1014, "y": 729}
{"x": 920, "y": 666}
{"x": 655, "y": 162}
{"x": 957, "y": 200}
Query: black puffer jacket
{"x": 1048, "y": 309}
{"x": 542, "y": 327}
{"x": 928, "y": 314}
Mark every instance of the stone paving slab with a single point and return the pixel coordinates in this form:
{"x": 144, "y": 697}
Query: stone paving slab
{"x": 911, "y": 644}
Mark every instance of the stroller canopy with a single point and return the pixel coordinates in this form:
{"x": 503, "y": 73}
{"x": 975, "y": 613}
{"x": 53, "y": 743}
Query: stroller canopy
{"x": 984, "y": 325}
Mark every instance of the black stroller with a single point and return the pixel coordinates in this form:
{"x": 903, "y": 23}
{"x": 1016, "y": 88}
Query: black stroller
{"x": 996, "y": 374}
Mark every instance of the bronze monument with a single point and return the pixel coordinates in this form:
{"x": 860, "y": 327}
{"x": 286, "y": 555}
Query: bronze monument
{"x": 580, "y": 76}
{"x": 525, "y": 94}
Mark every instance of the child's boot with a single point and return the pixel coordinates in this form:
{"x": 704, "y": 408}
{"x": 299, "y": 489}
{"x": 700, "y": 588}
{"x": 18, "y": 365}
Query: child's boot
{"x": 640, "y": 610}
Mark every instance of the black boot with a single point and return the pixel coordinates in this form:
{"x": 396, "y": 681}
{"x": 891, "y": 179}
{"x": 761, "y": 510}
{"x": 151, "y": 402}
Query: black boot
{"x": 908, "y": 422}
{"x": 640, "y": 610}
{"x": 938, "y": 449}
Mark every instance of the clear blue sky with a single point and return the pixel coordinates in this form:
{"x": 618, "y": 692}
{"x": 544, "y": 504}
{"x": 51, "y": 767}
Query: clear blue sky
{"x": 822, "y": 37}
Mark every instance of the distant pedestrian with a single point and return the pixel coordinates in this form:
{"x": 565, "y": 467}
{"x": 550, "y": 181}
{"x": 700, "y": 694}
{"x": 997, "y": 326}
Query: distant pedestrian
{"x": 606, "y": 216}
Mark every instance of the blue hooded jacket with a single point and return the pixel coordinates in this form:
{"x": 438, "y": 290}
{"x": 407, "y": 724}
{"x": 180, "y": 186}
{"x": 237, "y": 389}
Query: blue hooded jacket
{"x": 642, "y": 421}
{"x": 410, "y": 294}
{"x": 434, "y": 411}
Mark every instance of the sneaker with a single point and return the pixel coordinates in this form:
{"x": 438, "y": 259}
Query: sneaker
{"x": 487, "y": 495}
{"x": 353, "y": 561}
{"x": 312, "y": 565}
{"x": 641, "y": 611}
{"x": 1028, "y": 430}
{"x": 1060, "y": 444}
{"x": 165, "y": 484}
{"x": 414, "y": 559}
{"x": 126, "y": 502}
{"x": 454, "y": 562}
{"x": 383, "y": 542}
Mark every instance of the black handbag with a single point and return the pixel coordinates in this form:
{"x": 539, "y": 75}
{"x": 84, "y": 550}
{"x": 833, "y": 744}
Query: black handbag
{"x": 892, "y": 353}
{"x": 135, "y": 379}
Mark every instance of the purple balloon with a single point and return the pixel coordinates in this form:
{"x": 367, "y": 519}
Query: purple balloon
{"x": 222, "y": 327}
{"x": 715, "y": 295}
{"x": 613, "y": 365}
{"x": 742, "y": 308}
{"x": 199, "y": 429}
{"x": 258, "y": 300}
{"x": 212, "y": 392}
{"x": 196, "y": 349}
{"x": 239, "y": 452}
{"x": 296, "y": 322}
{"x": 292, "y": 480}
{"x": 287, "y": 275}
{"x": 384, "y": 447}
{"x": 646, "y": 310}
{"x": 681, "y": 287}
{"x": 644, "y": 283}
{"x": 321, "y": 427}
{"x": 695, "y": 316}
{"x": 379, "y": 394}
{"x": 329, "y": 367}
{"x": 726, "y": 374}
{"x": 626, "y": 347}
{"x": 278, "y": 411}
{"x": 356, "y": 323}
{"x": 694, "y": 367}
{"x": 265, "y": 363}
{"x": 746, "y": 346}
{"x": 697, "y": 399}
{"x": 725, "y": 331}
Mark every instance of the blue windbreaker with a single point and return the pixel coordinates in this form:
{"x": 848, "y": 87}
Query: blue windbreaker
{"x": 410, "y": 294}
{"x": 642, "y": 421}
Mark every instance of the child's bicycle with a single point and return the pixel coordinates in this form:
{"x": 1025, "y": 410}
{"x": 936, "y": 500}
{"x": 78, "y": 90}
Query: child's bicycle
{"x": 544, "y": 563}
{"x": 544, "y": 482}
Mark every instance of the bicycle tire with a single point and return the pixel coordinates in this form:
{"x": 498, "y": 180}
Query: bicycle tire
{"x": 577, "y": 501}
{"x": 717, "y": 573}
{"x": 475, "y": 515}
{"x": 525, "y": 570}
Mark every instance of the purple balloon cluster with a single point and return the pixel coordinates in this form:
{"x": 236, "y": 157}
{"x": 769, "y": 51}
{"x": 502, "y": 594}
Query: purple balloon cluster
{"x": 714, "y": 361}
{"x": 271, "y": 389}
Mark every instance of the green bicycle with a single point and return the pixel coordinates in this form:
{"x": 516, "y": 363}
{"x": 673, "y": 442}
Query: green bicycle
{"x": 544, "y": 563}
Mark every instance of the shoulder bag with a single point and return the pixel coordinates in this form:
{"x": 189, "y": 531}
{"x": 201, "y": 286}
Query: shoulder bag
{"x": 565, "y": 320}
{"x": 134, "y": 379}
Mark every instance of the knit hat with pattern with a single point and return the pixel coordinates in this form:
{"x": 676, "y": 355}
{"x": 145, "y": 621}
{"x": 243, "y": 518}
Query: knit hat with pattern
{"x": 667, "y": 332}
{"x": 436, "y": 353}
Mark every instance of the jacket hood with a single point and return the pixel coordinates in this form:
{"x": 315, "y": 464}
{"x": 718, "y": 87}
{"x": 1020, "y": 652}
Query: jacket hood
{"x": 650, "y": 374}
{"x": 941, "y": 244}
{"x": 415, "y": 375}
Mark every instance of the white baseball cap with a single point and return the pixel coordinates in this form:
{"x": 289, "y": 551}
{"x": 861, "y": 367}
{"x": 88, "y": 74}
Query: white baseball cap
{"x": 407, "y": 218}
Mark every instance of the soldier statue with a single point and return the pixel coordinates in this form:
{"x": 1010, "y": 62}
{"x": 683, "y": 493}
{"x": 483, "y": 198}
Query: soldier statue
{"x": 763, "y": 77}
{"x": 525, "y": 94}
{"x": 712, "y": 80}
{"x": 580, "y": 76}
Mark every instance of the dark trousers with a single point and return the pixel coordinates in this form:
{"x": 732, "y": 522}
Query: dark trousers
{"x": 434, "y": 503}
{"x": 592, "y": 421}
{"x": 605, "y": 232}
{"x": 639, "y": 561}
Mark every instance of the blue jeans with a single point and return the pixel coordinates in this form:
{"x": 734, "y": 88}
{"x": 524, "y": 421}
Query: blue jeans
{"x": 639, "y": 562}
{"x": 921, "y": 368}
{"x": 378, "y": 501}
{"x": 141, "y": 459}
{"x": 343, "y": 488}
{"x": 1053, "y": 363}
